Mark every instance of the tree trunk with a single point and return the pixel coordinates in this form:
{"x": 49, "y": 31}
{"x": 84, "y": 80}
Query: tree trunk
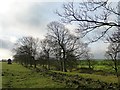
{"x": 64, "y": 62}
{"x": 43, "y": 65}
{"x": 34, "y": 63}
{"x": 116, "y": 70}
{"x": 48, "y": 62}
{"x": 61, "y": 64}
{"x": 30, "y": 62}
{"x": 48, "y": 66}
{"x": 89, "y": 64}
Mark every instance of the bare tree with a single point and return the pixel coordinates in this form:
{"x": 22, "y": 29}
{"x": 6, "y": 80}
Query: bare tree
{"x": 88, "y": 56}
{"x": 60, "y": 34}
{"x": 65, "y": 43}
{"x": 114, "y": 50}
{"x": 26, "y": 50}
{"x": 46, "y": 50}
{"x": 91, "y": 16}
{"x": 56, "y": 53}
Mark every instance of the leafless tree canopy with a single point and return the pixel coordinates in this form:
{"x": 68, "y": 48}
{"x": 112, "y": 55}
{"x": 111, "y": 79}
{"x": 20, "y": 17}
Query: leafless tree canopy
{"x": 94, "y": 15}
{"x": 26, "y": 50}
{"x": 114, "y": 50}
{"x": 65, "y": 43}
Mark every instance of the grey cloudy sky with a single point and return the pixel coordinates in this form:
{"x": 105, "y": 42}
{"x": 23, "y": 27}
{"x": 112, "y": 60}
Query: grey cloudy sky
{"x": 29, "y": 18}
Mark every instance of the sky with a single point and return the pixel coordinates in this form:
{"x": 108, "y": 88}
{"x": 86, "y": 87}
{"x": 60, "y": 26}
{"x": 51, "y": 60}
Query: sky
{"x": 20, "y": 18}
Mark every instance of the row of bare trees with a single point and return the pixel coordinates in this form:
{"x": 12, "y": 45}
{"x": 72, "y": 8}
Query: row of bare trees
{"x": 58, "y": 46}
{"x": 96, "y": 18}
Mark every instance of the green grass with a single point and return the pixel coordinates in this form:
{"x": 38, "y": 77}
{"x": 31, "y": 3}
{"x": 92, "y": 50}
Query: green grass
{"x": 17, "y": 76}
{"x": 105, "y": 68}
{"x": 107, "y": 79}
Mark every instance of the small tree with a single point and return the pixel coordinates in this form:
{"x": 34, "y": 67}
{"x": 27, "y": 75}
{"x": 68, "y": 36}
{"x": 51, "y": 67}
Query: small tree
{"x": 114, "y": 50}
{"x": 89, "y": 57}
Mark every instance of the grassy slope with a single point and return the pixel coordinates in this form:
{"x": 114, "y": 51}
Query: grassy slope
{"x": 107, "y": 79}
{"x": 101, "y": 67}
{"x": 17, "y": 76}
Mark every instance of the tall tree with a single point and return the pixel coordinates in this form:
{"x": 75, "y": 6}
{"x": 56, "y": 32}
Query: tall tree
{"x": 60, "y": 34}
{"x": 66, "y": 43}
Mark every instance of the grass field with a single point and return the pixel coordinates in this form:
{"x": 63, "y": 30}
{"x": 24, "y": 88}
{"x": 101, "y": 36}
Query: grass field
{"x": 17, "y": 76}
{"x": 107, "y": 79}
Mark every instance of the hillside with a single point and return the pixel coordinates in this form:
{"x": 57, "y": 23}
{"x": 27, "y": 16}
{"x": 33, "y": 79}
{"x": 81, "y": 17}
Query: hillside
{"x": 17, "y": 76}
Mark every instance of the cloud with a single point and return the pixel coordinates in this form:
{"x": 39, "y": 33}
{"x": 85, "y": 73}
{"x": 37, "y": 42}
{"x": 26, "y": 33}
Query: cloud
{"x": 19, "y": 19}
{"x": 6, "y": 48}
{"x": 28, "y": 18}
{"x": 33, "y": 16}
{"x": 3, "y": 44}
{"x": 5, "y": 54}
{"x": 98, "y": 49}
{"x": 6, "y": 44}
